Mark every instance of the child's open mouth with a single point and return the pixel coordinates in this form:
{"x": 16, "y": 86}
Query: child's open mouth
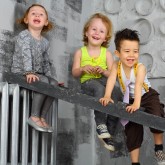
{"x": 96, "y": 38}
{"x": 130, "y": 60}
{"x": 36, "y": 21}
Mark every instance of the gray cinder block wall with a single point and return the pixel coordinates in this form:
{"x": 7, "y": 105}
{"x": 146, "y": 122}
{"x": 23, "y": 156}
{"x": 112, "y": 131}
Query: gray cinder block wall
{"x": 77, "y": 141}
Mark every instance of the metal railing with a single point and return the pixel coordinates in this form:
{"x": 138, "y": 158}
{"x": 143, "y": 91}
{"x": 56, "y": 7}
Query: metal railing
{"x": 20, "y": 144}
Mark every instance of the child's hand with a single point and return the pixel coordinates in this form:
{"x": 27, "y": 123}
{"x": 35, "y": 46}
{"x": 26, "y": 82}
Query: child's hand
{"x": 61, "y": 84}
{"x": 88, "y": 69}
{"x": 132, "y": 108}
{"x": 31, "y": 78}
{"x": 105, "y": 101}
{"x": 98, "y": 69}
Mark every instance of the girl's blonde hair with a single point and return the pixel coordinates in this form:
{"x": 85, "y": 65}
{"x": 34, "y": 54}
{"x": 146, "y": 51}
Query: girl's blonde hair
{"x": 45, "y": 28}
{"x": 107, "y": 22}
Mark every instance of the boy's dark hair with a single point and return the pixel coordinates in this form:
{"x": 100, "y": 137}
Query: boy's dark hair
{"x": 125, "y": 34}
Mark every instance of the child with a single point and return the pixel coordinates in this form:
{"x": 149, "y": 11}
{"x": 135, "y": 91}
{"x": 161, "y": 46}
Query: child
{"x": 31, "y": 59}
{"x": 140, "y": 93}
{"x": 92, "y": 63}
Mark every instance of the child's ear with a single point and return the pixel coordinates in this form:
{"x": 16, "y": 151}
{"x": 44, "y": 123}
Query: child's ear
{"x": 25, "y": 20}
{"x": 106, "y": 39}
{"x": 86, "y": 34}
{"x": 46, "y": 23}
{"x": 117, "y": 53}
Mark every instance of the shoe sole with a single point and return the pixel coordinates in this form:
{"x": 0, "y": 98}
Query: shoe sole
{"x": 104, "y": 136}
{"x": 108, "y": 147}
{"x": 50, "y": 130}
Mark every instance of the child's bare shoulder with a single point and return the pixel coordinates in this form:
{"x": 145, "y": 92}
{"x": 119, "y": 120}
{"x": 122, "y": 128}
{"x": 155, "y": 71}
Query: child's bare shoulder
{"x": 141, "y": 66}
{"x": 115, "y": 65}
{"x": 78, "y": 52}
{"x": 108, "y": 53}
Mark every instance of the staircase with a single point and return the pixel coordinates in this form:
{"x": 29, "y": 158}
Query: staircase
{"x": 22, "y": 145}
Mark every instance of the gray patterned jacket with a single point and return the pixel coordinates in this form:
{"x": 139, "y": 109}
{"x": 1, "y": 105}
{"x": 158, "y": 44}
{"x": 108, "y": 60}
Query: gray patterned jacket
{"x": 31, "y": 55}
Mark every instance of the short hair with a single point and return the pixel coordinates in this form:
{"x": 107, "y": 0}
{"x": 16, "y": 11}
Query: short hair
{"x": 45, "y": 28}
{"x": 107, "y": 23}
{"x": 125, "y": 34}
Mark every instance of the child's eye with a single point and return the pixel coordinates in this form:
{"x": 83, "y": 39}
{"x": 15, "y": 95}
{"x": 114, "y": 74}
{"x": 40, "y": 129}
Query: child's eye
{"x": 41, "y": 14}
{"x": 33, "y": 13}
{"x": 102, "y": 31}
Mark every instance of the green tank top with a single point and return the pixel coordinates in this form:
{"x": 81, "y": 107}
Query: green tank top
{"x": 87, "y": 60}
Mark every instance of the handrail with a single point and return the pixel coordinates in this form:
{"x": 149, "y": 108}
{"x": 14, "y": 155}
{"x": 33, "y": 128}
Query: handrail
{"x": 69, "y": 95}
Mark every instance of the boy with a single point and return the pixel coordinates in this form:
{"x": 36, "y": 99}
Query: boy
{"x": 140, "y": 93}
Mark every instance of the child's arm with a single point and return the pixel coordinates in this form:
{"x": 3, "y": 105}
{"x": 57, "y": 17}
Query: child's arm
{"x": 77, "y": 70}
{"x": 141, "y": 72}
{"x": 25, "y": 50}
{"x": 109, "y": 86}
{"x": 46, "y": 65}
{"x": 109, "y": 62}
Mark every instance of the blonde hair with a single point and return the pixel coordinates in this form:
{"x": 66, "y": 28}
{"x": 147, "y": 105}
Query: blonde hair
{"x": 45, "y": 28}
{"x": 107, "y": 22}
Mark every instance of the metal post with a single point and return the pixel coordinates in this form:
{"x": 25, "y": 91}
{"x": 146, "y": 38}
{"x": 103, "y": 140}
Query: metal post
{"x": 15, "y": 123}
{"x": 25, "y": 132}
{"x": 4, "y": 122}
{"x": 54, "y": 134}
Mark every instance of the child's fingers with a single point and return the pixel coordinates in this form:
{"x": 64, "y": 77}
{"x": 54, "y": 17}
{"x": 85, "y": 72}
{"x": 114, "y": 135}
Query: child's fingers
{"x": 111, "y": 101}
{"x": 104, "y": 102}
{"x": 101, "y": 101}
{"x": 37, "y": 78}
{"x": 31, "y": 78}
{"x": 61, "y": 84}
{"x": 89, "y": 70}
{"x": 130, "y": 109}
{"x": 99, "y": 70}
{"x": 28, "y": 79}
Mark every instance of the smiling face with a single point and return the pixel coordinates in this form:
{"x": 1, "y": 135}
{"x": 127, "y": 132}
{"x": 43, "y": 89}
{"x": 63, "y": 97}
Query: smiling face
{"x": 96, "y": 32}
{"x": 36, "y": 18}
{"x": 129, "y": 52}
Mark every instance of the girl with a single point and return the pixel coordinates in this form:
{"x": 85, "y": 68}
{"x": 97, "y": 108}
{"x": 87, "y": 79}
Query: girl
{"x": 31, "y": 59}
{"x": 92, "y": 63}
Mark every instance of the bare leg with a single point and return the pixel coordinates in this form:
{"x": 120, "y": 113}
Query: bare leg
{"x": 158, "y": 138}
{"x": 135, "y": 155}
